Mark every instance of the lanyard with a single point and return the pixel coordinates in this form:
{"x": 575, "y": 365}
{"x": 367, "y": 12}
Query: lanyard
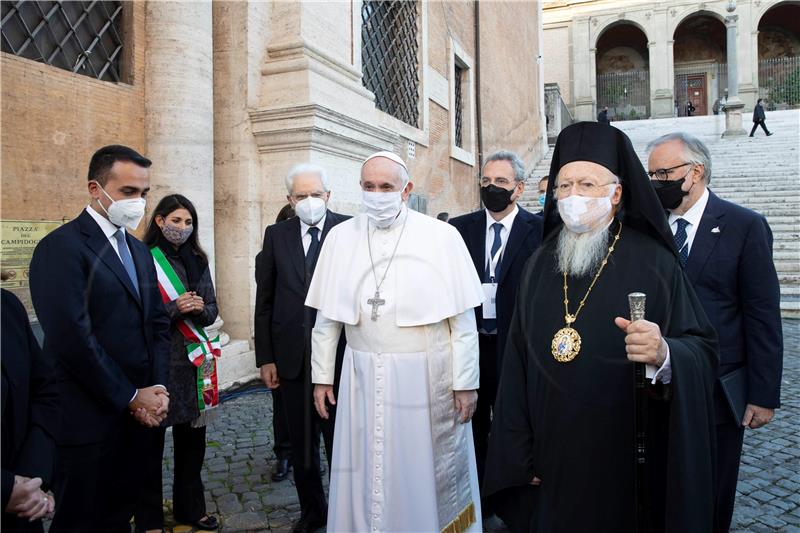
{"x": 493, "y": 262}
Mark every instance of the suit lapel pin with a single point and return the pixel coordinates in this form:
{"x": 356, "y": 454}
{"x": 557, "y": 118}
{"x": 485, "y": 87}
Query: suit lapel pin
{"x": 715, "y": 230}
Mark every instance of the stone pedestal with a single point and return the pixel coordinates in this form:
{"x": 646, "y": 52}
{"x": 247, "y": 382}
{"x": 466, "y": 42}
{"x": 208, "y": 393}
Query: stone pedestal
{"x": 733, "y": 118}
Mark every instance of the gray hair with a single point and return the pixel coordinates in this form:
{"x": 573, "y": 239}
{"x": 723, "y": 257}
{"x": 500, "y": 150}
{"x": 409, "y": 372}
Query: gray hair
{"x": 694, "y": 150}
{"x": 512, "y": 158}
{"x": 306, "y": 168}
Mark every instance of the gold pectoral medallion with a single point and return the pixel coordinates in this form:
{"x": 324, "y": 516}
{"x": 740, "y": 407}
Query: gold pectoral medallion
{"x": 566, "y": 342}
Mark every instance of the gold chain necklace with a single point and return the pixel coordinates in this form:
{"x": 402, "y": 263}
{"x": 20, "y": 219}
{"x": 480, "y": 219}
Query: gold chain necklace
{"x": 567, "y": 342}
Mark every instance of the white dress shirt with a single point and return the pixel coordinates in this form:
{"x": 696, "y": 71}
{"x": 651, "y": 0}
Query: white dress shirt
{"x": 305, "y": 236}
{"x": 108, "y": 229}
{"x": 692, "y": 216}
{"x": 505, "y": 231}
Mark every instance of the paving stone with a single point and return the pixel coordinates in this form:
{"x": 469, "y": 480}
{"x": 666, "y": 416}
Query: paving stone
{"x": 247, "y": 521}
{"x": 228, "y": 504}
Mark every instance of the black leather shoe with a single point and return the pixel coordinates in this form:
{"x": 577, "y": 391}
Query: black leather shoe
{"x": 207, "y": 523}
{"x": 281, "y": 470}
{"x": 309, "y": 524}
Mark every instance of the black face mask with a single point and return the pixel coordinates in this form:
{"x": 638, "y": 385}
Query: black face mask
{"x": 670, "y": 193}
{"x": 496, "y": 198}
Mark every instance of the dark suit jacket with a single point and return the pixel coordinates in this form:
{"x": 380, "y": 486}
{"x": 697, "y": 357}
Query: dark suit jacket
{"x": 734, "y": 276}
{"x": 107, "y": 340}
{"x": 29, "y": 400}
{"x": 524, "y": 239}
{"x": 280, "y": 313}
{"x": 758, "y": 113}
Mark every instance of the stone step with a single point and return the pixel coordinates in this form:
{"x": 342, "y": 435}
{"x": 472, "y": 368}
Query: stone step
{"x": 790, "y": 309}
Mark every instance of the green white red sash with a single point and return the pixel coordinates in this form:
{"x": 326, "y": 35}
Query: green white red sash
{"x": 201, "y": 350}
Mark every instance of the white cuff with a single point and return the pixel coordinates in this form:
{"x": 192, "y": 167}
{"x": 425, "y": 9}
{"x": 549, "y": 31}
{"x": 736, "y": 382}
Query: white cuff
{"x": 464, "y": 343}
{"x": 663, "y": 374}
{"x": 324, "y": 342}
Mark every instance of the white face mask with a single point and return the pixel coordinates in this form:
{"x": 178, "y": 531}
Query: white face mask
{"x": 583, "y": 213}
{"x": 382, "y": 207}
{"x": 128, "y": 213}
{"x": 310, "y": 210}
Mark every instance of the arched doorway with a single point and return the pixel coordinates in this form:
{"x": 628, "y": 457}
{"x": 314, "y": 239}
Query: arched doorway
{"x": 623, "y": 72}
{"x": 779, "y": 56}
{"x": 700, "y": 59}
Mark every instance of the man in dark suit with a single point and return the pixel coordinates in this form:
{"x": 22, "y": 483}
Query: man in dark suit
{"x": 30, "y": 413}
{"x": 726, "y": 251}
{"x": 500, "y": 239}
{"x": 758, "y": 118}
{"x": 283, "y": 329}
{"x": 96, "y": 296}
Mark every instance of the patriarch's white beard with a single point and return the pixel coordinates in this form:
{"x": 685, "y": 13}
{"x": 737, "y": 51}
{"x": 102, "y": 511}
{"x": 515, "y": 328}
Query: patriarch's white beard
{"x": 580, "y": 254}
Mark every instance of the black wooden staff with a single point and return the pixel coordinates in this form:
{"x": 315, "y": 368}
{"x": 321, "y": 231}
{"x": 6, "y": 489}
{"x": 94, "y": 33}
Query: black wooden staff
{"x": 636, "y": 301}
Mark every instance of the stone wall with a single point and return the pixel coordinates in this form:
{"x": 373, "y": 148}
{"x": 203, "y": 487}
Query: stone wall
{"x": 54, "y": 120}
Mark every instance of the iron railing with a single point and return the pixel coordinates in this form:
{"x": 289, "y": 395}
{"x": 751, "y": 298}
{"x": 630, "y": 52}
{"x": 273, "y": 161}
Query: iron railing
{"x": 711, "y": 79}
{"x": 779, "y": 82}
{"x": 389, "y": 57}
{"x": 458, "y": 77}
{"x": 627, "y": 94}
{"x": 82, "y": 37}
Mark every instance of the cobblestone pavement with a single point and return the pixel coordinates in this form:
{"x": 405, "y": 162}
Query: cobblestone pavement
{"x": 239, "y": 459}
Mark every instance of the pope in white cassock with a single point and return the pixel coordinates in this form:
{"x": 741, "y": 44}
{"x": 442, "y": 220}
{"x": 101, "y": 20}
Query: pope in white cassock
{"x": 405, "y": 289}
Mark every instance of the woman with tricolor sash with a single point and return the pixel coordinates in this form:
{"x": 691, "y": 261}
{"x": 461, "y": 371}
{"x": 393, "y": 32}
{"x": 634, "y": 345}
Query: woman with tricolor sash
{"x": 187, "y": 290}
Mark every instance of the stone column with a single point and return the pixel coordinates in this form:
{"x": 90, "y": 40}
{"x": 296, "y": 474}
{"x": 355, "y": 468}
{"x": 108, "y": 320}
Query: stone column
{"x": 179, "y": 107}
{"x": 584, "y": 89}
{"x": 662, "y": 79}
{"x": 733, "y": 106}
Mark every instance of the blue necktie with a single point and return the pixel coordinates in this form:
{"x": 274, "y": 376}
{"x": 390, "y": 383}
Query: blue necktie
{"x": 489, "y": 325}
{"x": 125, "y": 256}
{"x": 681, "y": 241}
{"x": 495, "y": 247}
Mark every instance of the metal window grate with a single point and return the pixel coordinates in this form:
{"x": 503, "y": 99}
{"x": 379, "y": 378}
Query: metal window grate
{"x": 389, "y": 56}
{"x": 458, "y": 77}
{"x": 82, "y": 37}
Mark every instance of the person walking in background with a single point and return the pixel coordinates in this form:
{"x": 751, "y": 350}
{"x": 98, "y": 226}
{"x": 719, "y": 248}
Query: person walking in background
{"x": 95, "y": 293}
{"x": 758, "y": 119}
{"x": 690, "y": 109}
{"x": 602, "y": 116}
{"x": 187, "y": 290}
{"x": 30, "y": 413}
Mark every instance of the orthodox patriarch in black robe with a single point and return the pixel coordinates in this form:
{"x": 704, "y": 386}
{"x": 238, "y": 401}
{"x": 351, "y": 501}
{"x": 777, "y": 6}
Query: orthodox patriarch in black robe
{"x": 572, "y": 424}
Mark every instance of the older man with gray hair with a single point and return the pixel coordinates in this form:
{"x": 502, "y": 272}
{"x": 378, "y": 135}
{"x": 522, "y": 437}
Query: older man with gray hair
{"x": 500, "y": 238}
{"x": 726, "y": 252}
{"x": 283, "y": 329}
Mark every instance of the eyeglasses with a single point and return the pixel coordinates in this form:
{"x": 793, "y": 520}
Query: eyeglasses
{"x": 664, "y": 173}
{"x": 301, "y": 197}
{"x": 585, "y": 187}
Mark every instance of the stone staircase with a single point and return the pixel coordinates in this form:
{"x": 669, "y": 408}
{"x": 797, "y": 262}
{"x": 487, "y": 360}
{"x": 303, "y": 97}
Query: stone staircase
{"x": 761, "y": 173}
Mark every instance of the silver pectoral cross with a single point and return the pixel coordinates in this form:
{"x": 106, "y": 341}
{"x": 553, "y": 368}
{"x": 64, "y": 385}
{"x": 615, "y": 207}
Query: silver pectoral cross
{"x": 376, "y": 301}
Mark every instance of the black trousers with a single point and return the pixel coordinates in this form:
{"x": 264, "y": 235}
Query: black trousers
{"x": 188, "y": 498}
{"x": 280, "y": 427}
{"x": 482, "y": 419}
{"x": 729, "y": 454}
{"x": 756, "y": 125}
{"x": 305, "y": 427}
{"x": 96, "y": 485}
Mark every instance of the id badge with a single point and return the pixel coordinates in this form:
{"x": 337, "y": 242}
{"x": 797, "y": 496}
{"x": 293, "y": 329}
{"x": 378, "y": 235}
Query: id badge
{"x": 490, "y": 302}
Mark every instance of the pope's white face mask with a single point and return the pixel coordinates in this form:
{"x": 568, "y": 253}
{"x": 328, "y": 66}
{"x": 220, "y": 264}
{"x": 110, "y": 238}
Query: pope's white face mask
{"x": 128, "y": 213}
{"x": 310, "y": 210}
{"x": 581, "y": 214}
{"x": 382, "y": 207}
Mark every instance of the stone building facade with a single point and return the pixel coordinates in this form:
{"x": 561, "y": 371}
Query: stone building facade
{"x": 226, "y": 96}
{"x": 648, "y": 58}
